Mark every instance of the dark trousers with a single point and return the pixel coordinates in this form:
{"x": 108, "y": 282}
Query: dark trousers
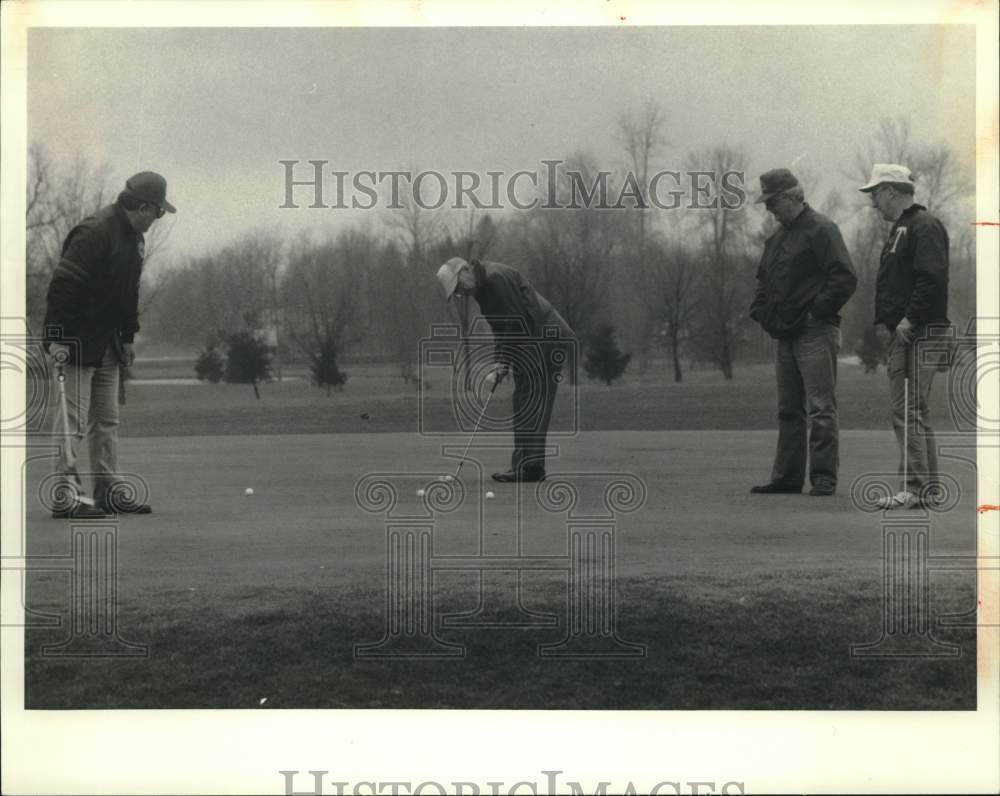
{"x": 536, "y": 379}
{"x": 808, "y": 425}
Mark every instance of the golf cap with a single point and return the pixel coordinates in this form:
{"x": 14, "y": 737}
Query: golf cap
{"x": 887, "y": 172}
{"x": 448, "y": 275}
{"x": 774, "y": 182}
{"x": 148, "y": 186}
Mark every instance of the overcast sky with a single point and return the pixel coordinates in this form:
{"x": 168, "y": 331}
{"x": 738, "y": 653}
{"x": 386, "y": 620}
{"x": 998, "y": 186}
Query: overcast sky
{"x": 215, "y": 110}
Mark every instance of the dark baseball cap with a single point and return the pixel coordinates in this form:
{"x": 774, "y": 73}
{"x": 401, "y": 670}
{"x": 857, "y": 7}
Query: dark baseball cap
{"x": 774, "y": 182}
{"x": 148, "y": 186}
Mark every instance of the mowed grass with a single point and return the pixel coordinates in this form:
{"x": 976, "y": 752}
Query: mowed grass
{"x": 742, "y": 601}
{"x": 156, "y": 407}
{"x": 783, "y": 643}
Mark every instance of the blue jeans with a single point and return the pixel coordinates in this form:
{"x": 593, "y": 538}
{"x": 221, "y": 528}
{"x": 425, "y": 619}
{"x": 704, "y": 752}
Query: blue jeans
{"x": 808, "y": 425}
{"x": 91, "y": 408}
{"x": 911, "y": 368}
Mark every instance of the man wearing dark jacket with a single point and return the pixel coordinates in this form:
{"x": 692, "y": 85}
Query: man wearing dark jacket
{"x": 531, "y": 340}
{"x": 911, "y": 298}
{"x": 90, "y": 323}
{"x": 804, "y": 278}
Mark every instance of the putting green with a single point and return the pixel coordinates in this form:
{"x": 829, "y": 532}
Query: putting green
{"x": 303, "y": 515}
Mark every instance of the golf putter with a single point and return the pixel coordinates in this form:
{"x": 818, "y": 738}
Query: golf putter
{"x": 64, "y": 411}
{"x": 475, "y": 428}
{"x": 906, "y": 429}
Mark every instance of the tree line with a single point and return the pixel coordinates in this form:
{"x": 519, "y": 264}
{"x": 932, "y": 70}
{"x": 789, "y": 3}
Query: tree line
{"x": 674, "y": 287}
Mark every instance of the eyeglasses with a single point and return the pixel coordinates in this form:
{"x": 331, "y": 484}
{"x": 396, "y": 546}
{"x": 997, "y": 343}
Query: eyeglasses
{"x": 874, "y": 194}
{"x": 773, "y": 201}
{"x": 160, "y": 211}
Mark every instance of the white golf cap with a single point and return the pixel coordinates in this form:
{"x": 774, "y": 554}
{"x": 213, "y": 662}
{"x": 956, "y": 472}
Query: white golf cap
{"x": 887, "y": 172}
{"x": 448, "y": 275}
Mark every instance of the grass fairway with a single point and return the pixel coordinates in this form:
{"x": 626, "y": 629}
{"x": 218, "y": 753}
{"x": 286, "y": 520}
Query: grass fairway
{"x": 740, "y": 601}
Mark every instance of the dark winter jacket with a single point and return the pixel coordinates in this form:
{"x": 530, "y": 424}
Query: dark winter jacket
{"x": 94, "y": 293}
{"x": 516, "y": 312}
{"x": 805, "y": 269}
{"x": 913, "y": 272}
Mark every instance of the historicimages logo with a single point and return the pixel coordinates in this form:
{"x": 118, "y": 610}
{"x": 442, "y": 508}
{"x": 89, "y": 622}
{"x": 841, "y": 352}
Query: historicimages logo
{"x": 548, "y": 783}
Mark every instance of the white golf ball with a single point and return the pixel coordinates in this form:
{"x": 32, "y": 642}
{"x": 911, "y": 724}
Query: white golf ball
{"x": 490, "y": 496}
{"x": 248, "y": 491}
{"x": 420, "y": 493}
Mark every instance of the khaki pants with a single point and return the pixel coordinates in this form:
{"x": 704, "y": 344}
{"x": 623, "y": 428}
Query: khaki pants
{"x": 911, "y": 369}
{"x": 91, "y": 405}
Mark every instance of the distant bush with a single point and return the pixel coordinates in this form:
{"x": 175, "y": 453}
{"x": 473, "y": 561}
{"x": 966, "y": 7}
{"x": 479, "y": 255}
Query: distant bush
{"x": 324, "y": 369}
{"x": 248, "y": 360}
{"x": 604, "y": 361}
{"x": 871, "y": 351}
{"x": 210, "y": 365}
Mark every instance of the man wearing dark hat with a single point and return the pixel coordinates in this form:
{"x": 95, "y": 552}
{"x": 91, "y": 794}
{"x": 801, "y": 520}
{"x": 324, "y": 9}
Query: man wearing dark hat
{"x": 532, "y": 341}
{"x": 804, "y": 278}
{"x": 911, "y": 299}
{"x": 90, "y": 323}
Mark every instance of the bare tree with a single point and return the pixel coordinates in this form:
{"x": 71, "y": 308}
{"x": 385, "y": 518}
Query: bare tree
{"x": 322, "y": 289}
{"x": 642, "y": 138}
{"x": 476, "y": 234}
{"x": 672, "y": 286}
{"x": 943, "y": 181}
{"x": 724, "y": 257}
{"x": 571, "y": 253}
{"x": 407, "y": 284}
{"x": 891, "y": 144}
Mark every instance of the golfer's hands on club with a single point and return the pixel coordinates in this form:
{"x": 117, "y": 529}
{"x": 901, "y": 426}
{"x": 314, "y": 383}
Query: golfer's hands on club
{"x": 904, "y": 331}
{"x": 60, "y": 355}
{"x": 128, "y": 354}
{"x": 498, "y": 374}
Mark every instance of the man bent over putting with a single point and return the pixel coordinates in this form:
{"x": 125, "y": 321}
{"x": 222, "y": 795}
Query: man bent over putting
{"x": 521, "y": 320}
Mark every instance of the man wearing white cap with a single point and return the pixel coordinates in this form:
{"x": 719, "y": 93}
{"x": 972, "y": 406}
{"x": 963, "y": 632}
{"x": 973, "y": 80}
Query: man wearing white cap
{"x": 92, "y": 315}
{"x": 911, "y": 297}
{"x": 531, "y": 340}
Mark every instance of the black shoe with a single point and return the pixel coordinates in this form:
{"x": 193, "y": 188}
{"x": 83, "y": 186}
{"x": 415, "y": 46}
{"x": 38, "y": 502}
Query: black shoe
{"x": 511, "y": 477}
{"x": 127, "y": 508}
{"x": 775, "y": 489}
{"x": 82, "y": 511}
{"x": 823, "y": 490}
